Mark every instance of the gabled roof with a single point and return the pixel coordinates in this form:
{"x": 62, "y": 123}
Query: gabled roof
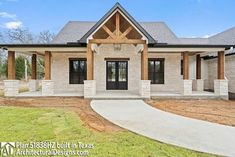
{"x": 118, "y": 7}
{"x": 225, "y": 37}
{"x": 75, "y": 30}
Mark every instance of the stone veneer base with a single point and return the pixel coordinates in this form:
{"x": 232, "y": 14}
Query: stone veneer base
{"x": 89, "y": 88}
{"x": 187, "y": 87}
{"x": 11, "y": 87}
{"x": 144, "y": 88}
{"x": 47, "y": 88}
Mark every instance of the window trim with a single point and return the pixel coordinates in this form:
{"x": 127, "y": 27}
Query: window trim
{"x": 163, "y": 63}
{"x": 76, "y": 59}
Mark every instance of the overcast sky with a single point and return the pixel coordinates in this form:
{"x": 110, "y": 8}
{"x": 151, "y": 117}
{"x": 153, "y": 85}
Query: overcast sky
{"x": 186, "y": 18}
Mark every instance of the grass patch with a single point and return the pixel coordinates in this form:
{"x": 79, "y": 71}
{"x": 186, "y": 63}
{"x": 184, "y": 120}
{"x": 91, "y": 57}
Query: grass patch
{"x": 35, "y": 124}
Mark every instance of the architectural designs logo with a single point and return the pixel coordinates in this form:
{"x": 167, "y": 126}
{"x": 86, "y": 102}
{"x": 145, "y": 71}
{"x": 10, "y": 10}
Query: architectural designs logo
{"x": 7, "y": 148}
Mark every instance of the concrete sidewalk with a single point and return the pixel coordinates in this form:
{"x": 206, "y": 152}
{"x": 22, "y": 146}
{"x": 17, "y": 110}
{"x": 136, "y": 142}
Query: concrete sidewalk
{"x": 143, "y": 119}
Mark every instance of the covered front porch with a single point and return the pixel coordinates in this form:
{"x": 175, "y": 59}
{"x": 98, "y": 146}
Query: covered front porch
{"x": 117, "y": 58}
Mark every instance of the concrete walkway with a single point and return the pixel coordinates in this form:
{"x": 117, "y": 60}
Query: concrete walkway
{"x": 143, "y": 119}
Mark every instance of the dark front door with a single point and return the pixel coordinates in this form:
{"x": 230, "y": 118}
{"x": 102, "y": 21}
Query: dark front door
{"x": 116, "y": 75}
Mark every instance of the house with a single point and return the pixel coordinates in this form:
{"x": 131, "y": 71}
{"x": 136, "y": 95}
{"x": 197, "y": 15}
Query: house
{"x": 120, "y": 57}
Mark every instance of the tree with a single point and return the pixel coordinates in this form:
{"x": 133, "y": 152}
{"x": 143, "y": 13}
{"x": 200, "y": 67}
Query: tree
{"x": 24, "y": 36}
{"x": 45, "y": 37}
{"x": 20, "y": 67}
{"x": 20, "y": 36}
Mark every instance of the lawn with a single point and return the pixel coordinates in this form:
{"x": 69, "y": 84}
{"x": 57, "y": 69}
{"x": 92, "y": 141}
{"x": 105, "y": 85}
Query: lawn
{"x": 24, "y": 124}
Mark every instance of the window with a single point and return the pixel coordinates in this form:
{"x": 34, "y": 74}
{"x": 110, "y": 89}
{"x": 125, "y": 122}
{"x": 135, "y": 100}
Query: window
{"x": 156, "y": 70}
{"x": 77, "y": 71}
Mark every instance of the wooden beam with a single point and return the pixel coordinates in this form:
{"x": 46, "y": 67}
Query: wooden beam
{"x": 11, "y": 65}
{"x": 118, "y": 41}
{"x": 185, "y": 66}
{"x": 144, "y": 63}
{"x": 47, "y": 65}
{"x": 128, "y": 30}
{"x": 117, "y": 24}
{"x": 34, "y": 67}
{"x": 221, "y": 60}
{"x": 198, "y": 67}
{"x": 106, "y": 29}
{"x": 90, "y": 62}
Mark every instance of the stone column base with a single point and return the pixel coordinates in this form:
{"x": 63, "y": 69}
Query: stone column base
{"x": 33, "y": 85}
{"x": 198, "y": 85}
{"x": 187, "y": 87}
{"x": 144, "y": 89}
{"x": 11, "y": 87}
{"x": 89, "y": 88}
{"x": 47, "y": 88}
{"x": 221, "y": 87}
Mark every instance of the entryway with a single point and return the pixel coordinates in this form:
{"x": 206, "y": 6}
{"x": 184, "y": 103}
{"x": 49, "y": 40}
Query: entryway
{"x": 117, "y": 75}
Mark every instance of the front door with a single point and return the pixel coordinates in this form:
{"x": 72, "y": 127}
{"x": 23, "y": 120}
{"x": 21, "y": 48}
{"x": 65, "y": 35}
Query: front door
{"x": 116, "y": 75}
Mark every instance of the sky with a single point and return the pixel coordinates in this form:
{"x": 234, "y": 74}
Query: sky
{"x": 186, "y": 18}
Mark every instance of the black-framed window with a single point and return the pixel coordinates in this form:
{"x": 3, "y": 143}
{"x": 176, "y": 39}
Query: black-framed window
{"x": 156, "y": 70}
{"x": 77, "y": 71}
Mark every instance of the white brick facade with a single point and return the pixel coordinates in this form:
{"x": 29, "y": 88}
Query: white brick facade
{"x": 60, "y": 72}
{"x": 229, "y": 72}
{"x": 173, "y": 78}
{"x": 134, "y": 65}
{"x": 198, "y": 85}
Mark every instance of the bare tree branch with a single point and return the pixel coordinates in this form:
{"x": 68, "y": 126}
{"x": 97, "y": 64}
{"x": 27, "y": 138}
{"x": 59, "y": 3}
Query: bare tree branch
{"x": 45, "y": 37}
{"x": 22, "y": 36}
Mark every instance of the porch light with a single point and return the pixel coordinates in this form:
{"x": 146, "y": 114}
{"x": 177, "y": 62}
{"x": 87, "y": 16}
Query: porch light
{"x": 117, "y": 47}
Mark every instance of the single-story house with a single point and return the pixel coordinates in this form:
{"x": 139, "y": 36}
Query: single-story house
{"x": 118, "y": 56}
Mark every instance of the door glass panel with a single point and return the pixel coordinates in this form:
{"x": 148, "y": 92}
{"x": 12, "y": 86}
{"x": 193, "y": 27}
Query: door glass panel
{"x": 122, "y": 72}
{"x": 111, "y": 71}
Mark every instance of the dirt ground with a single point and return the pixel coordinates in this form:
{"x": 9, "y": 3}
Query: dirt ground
{"x": 79, "y": 105}
{"x": 217, "y": 111}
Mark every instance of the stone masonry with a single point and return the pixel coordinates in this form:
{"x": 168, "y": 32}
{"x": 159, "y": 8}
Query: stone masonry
{"x": 11, "y": 87}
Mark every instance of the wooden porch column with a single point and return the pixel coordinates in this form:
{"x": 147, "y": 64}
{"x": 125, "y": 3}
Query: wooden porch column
{"x": 198, "y": 67}
{"x": 144, "y": 63}
{"x": 185, "y": 66}
{"x": 47, "y": 65}
{"x": 34, "y": 67}
{"x": 11, "y": 65}
{"x": 90, "y": 62}
{"x": 221, "y": 65}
